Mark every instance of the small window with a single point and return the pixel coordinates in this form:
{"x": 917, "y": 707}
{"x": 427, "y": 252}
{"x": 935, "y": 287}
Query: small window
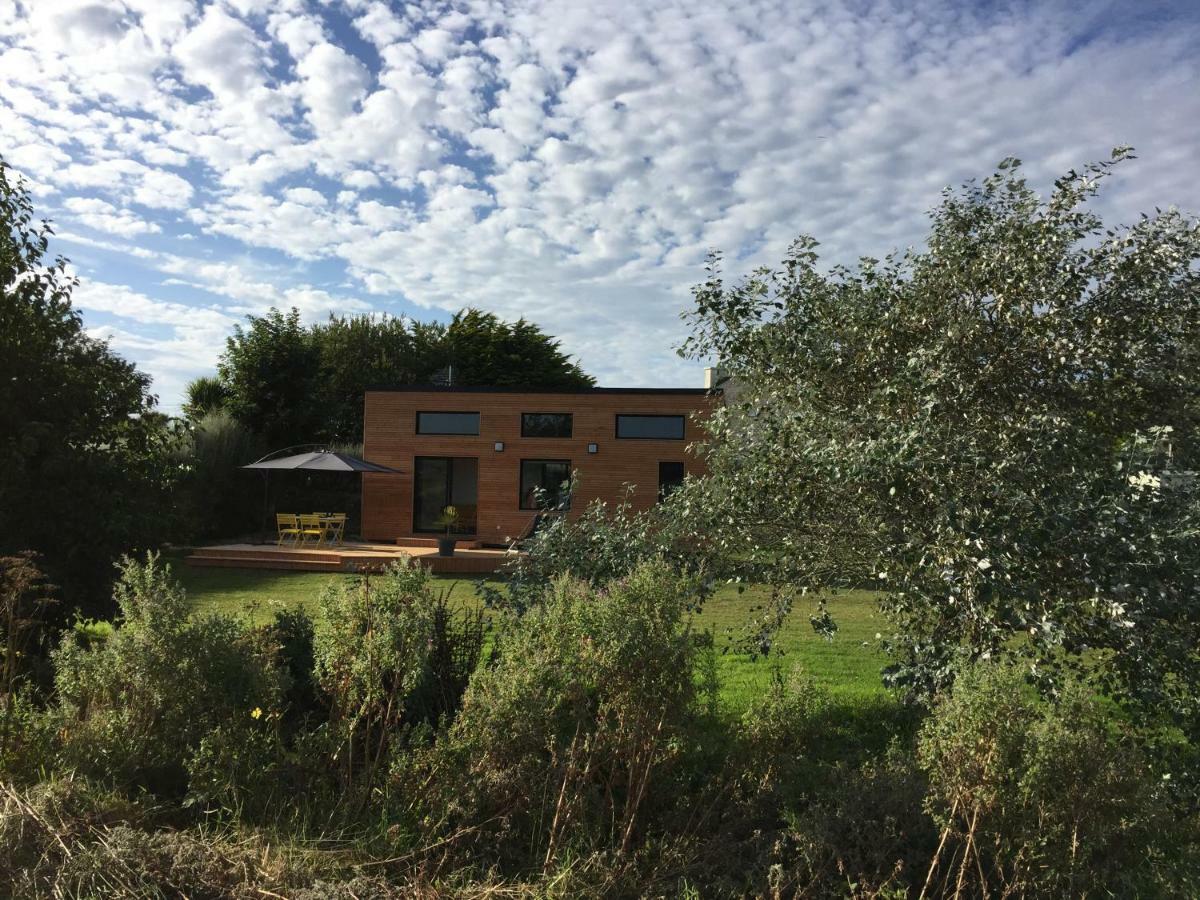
{"x": 545, "y": 484}
{"x": 662, "y": 428}
{"x": 447, "y": 423}
{"x": 670, "y": 477}
{"x": 550, "y": 425}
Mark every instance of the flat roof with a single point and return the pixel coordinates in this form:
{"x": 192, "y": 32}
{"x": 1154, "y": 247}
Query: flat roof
{"x": 443, "y": 389}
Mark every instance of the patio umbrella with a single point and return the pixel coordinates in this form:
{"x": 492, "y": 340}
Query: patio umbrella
{"x": 311, "y": 461}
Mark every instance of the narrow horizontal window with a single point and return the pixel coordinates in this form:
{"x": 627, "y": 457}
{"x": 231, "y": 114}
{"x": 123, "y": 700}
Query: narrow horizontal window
{"x": 550, "y": 425}
{"x": 447, "y": 423}
{"x": 662, "y": 428}
{"x": 545, "y": 484}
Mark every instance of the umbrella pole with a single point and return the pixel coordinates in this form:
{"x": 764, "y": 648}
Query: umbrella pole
{"x": 266, "y": 505}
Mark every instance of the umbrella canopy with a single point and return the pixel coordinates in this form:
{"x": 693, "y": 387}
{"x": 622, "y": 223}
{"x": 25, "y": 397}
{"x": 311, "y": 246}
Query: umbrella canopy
{"x": 322, "y": 461}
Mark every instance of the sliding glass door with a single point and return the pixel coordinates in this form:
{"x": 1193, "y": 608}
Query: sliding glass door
{"x": 441, "y": 481}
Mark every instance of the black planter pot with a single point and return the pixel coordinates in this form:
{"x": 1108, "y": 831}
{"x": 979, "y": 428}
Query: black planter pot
{"x": 445, "y": 546}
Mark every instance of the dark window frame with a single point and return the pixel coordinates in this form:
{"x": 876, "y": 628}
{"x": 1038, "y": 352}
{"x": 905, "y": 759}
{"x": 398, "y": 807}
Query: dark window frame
{"x": 448, "y": 412}
{"x": 552, "y": 437}
{"x": 619, "y": 416}
{"x": 675, "y": 485}
{"x": 521, "y": 483}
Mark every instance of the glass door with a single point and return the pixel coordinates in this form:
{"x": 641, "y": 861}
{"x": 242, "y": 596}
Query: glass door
{"x": 441, "y": 481}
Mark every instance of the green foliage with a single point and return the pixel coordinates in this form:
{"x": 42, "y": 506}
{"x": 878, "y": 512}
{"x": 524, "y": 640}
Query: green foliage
{"x": 205, "y": 395}
{"x": 372, "y": 643}
{"x": 269, "y": 370}
{"x": 865, "y": 827}
{"x": 485, "y": 350}
{"x": 216, "y": 496}
{"x": 1047, "y": 799}
{"x": 601, "y": 544}
{"x": 990, "y": 430}
{"x": 85, "y": 464}
{"x": 24, "y": 638}
{"x": 566, "y": 741}
{"x": 132, "y": 709}
{"x": 297, "y": 385}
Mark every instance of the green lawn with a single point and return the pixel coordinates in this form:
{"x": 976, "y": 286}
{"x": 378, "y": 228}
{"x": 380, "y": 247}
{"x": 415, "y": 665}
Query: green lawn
{"x": 844, "y": 665}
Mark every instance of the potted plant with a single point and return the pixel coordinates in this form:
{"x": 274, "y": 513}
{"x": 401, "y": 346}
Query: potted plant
{"x": 448, "y": 519}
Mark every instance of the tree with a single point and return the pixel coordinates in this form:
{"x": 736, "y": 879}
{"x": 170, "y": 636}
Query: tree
{"x": 990, "y": 430}
{"x": 297, "y": 385}
{"x": 84, "y": 467}
{"x": 269, "y": 370}
{"x": 205, "y": 395}
{"x": 485, "y": 350}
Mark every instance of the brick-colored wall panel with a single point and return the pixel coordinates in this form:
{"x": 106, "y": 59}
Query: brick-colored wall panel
{"x": 390, "y": 437}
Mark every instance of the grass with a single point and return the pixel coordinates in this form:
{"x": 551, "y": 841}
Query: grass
{"x": 848, "y": 666}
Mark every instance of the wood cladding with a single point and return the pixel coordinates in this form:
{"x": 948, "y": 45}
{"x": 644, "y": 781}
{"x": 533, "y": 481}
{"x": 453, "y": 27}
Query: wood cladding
{"x": 390, "y": 437}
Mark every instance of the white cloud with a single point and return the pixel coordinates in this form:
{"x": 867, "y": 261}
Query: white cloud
{"x": 101, "y": 216}
{"x": 164, "y": 190}
{"x": 571, "y": 164}
{"x": 333, "y": 82}
{"x": 221, "y": 53}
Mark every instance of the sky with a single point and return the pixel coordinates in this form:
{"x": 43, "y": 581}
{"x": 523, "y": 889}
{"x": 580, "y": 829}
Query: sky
{"x": 569, "y": 162}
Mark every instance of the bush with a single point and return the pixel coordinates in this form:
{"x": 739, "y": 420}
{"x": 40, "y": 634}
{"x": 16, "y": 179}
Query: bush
{"x": 133, "y": 708}
{"x": 566, "y": 739}
{"x": 372, "y": 645}
{"x": 1048, "y": 799}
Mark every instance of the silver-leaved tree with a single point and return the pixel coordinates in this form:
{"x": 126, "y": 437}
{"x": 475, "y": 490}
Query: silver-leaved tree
{"x": 997, "y": 431}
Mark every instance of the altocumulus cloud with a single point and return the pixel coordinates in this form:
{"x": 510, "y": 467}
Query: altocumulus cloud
{"x": 569, "y": 162}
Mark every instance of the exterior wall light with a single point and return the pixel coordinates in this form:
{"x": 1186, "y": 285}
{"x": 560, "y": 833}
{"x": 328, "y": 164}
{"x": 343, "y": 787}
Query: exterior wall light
{"x": 499, "y": 446}
{"x": 592, "y": 448}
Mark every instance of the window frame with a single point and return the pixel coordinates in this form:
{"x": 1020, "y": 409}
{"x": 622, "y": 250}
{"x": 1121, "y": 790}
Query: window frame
{"x": 550, "y": 437}
{"x": 521, "y": 483}
{"x": 448, "y": 412}
{"x": 682, "y": 417}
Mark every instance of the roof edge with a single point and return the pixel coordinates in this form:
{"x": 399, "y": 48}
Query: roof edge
{"x": 466, "y": 389}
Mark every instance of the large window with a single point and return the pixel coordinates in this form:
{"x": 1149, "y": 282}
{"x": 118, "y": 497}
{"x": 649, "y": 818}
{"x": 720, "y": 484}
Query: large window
{"x": 551, "y": 425}
{"x": 545, "y": 484}
{"x": 662, "y": 428}
{"x": 439, "y": 482}
{"x": 447, "y": 423}
{"x": 670, "y": 477}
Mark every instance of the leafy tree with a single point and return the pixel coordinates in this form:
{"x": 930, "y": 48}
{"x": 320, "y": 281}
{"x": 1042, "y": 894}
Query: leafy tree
{"x": 991, "y": 430}
{"x": 205, "y": 395}
{"x": 84, "y": 463}
{"x": 268, "y": 369}
{"x": 484, "y": 350}
{"x": 298, "y": 385}
{"x": 358, "y": 352}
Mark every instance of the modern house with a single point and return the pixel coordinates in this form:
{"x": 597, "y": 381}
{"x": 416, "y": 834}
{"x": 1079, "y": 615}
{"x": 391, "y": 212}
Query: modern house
{"x": 499, "y": 456}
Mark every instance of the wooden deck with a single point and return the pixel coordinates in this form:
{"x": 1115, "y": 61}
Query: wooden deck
{"x": 349, "y": 557}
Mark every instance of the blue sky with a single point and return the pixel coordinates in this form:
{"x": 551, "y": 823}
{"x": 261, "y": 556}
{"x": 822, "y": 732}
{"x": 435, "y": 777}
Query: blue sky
{"x": 569, "y": 162}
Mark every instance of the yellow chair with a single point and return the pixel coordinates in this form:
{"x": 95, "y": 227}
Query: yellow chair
{"x": 335, "y": 527}
{"x": 288, "y": 526}
{"x": 311, "y": 528}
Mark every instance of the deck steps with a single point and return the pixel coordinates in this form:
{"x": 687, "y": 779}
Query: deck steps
{"x": 459, "y": 543}
{"x": 468, "y": 559}
{"x": 265, "y": 562}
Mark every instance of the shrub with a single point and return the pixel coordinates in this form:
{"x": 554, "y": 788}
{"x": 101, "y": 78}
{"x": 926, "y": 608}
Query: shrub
{"x": 24, "y": 599}
{"x": 1041, "y": 798}
{"x": 372, "y": 644}
{"x": 866, "y": 825}
{"x": 773, "y": 732}
{"x": 603, "y": 543}
{"x": 565, "y": 740}
{"x": 134, "y": 707}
